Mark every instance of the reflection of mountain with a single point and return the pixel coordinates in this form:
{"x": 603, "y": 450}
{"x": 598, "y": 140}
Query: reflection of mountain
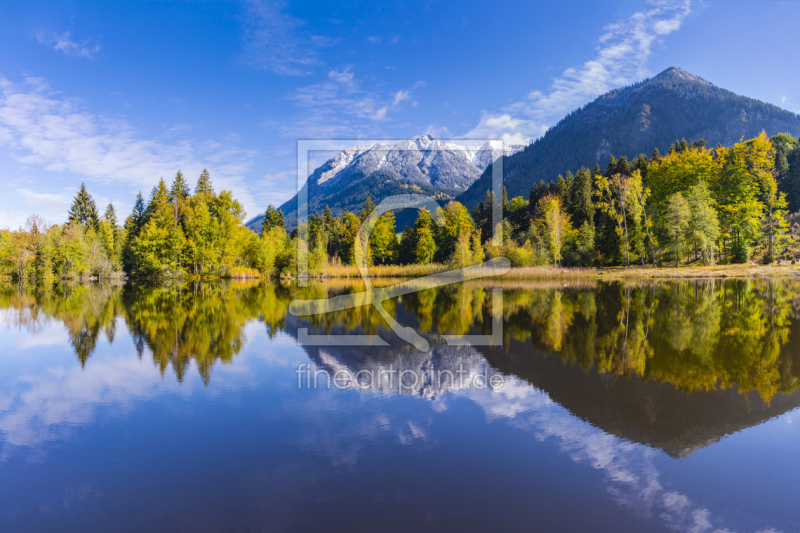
{"x": 644, "y": 411}
{"x": 660, "y": 400}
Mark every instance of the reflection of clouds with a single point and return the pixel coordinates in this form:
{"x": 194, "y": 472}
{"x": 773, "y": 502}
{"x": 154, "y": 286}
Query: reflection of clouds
{"x": 41, "y": 407}
{"x": 38, "y": 408}
{"x": 52, "y": 333}
{"x": 24, "y": 319}
{"x": 629, "y": 469}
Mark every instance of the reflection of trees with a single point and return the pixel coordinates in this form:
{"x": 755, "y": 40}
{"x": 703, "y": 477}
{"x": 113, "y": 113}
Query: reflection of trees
{"x": 85, "y": 311}
{"x": 695, "y": 335}
{"x": 451, "y": 309}
{"x": 194, "y": 322}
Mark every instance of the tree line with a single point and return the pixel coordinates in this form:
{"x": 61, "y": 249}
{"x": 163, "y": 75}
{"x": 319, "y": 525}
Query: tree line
{"x": 691, "y": 205}
{"x": 177, "y": 232}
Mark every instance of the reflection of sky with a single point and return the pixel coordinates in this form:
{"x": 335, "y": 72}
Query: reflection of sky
{"x": 103, "y": 440}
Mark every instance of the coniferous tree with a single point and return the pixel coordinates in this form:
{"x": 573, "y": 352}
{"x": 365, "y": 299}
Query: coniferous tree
{"x": 83, "y": 210}
{"x": 204, "y": 186}
{"x": 179, "y": 189}
{"x": 579, "y": 201}
{"x": 407, "y": 249}
{"x": 655, "y": 156}
{"x": 366, "y": 209}
{"x": 792, "y": 184}
{"x": 111, "y": 215}
{"x": 138, "y": 215}
{"x": 273, "y": 218}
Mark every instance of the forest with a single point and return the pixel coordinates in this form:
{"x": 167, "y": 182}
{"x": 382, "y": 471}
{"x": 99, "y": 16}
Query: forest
{"x": 693, "y": 205}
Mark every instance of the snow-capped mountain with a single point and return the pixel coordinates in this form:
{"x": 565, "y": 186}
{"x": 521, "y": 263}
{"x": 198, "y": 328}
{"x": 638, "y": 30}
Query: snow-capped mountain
{"x": 424, "y": 164}
{"x": 423, "y": 161}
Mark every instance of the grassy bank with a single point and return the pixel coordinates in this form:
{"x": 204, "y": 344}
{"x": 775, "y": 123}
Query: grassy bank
{"x": 749, "y": 270}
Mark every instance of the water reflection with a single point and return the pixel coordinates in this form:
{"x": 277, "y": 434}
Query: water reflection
{"x": 596, "y": 369}
{"x": 672, "y": 365}
{"x": 696, "y": 336}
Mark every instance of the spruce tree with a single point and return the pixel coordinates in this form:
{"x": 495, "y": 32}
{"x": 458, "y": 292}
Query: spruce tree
{"x": 273, "y": 218}
{"x": 179, "y": 189}
{"x": 138, "y": 216}
{"x": 369, "y": 206}
{"x": 159, "y": 197}
{"x": 792, "y": 184}
{"x": 656, "y": 156}
{"x": 83, "y": 210}
{"x": 580, "y": 203}
{"x": 204, "y": 186}
{"x": 623, "y": 167}
{"x": 538, "y": 192}
{"x": 111, "y": 215}
{"x": 611, "y": 168}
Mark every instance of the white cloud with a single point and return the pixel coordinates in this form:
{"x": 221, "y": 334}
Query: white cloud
{"x": 272, "y": 189}
{"x": 276, "y": 41}
{"x": 63, "y": 43}
{"x": 401, "y": 95}
{"x": 49, "y": 201}
{"x": 620, "y": 59}
{"x": 340, "y": 107}
{"x": 42, "y": 129}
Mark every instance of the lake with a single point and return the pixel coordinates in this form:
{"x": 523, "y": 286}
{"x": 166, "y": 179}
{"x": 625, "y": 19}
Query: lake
{"x": 585, "y": 406}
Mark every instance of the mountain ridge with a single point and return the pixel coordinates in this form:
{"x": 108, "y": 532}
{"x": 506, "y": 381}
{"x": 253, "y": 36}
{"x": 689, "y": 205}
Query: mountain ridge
{"x": 423, "y": 164}
{"x": 628, "y": 121}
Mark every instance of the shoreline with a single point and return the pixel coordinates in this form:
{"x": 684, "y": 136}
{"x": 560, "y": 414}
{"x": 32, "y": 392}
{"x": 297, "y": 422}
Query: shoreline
{"x": 572, "y": 273}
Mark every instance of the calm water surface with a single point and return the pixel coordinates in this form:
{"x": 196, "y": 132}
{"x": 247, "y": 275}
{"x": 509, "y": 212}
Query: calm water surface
{"x": 651, "y": 407}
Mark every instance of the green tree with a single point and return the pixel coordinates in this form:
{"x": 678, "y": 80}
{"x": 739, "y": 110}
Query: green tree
{"x": 703, "y": 224}
{"x": 273, "y": 218}
{"x": 83, "y": 210}
{"x": 180, "y": 188}
{"x": 111, "y": 215}
{"x": 383, "y": 241}
{"x": 422, "y": 239}
{"x": 617, "y": 197}
{"x": 457, "y": 223}
{"x": 676, "y": 217}
{"x": 204, "y": 186}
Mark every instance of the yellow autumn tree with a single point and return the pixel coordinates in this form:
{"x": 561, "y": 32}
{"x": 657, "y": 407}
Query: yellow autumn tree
{"x": 555, "y": 225}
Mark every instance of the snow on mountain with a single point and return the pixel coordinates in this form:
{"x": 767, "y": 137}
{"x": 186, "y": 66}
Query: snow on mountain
{"x": 425, "y": 160}
{"x": 423, "y": 164}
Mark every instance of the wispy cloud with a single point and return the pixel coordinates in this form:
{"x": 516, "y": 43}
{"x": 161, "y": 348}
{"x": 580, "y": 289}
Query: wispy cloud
{"x": 276, "y": 41}
{"x": 50, "y": 202}
{"x": 341, "y": 106}
{"x": 69, "y": 47}
{"x": 42, "y": 129}
{"x": 620, "y": 58}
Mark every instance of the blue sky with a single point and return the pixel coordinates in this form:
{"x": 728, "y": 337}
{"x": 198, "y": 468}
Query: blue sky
{"x": 118, "y": 94}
